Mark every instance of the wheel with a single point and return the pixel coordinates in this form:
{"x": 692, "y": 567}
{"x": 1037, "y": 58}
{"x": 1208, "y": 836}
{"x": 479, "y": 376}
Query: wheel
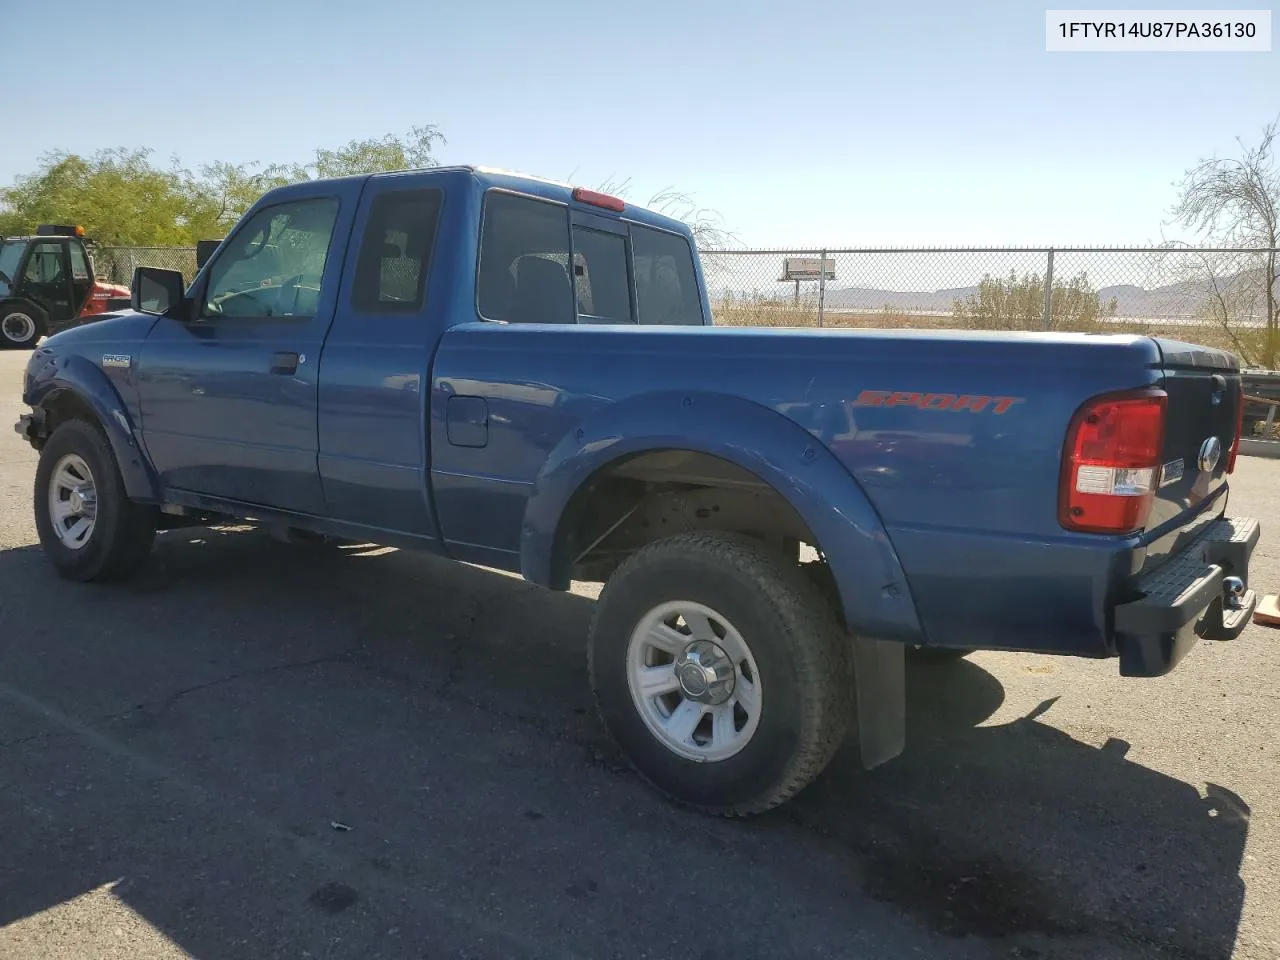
{"x": 20, "y": 326}
{"x": 88, "y": 527}
{"x": 720, "y": 671}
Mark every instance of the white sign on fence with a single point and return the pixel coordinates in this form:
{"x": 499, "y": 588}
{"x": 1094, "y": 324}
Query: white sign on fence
{"x": 806, "y": 268}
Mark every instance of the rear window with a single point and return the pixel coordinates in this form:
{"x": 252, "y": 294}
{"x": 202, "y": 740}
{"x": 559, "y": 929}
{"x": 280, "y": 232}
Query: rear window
{"x": 525, "y": 273}
{"x": 666, "y": 285}
{"x": 600, "y": 276}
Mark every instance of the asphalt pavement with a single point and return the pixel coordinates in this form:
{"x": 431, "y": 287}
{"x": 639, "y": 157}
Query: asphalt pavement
{"x": 261, "y": 750}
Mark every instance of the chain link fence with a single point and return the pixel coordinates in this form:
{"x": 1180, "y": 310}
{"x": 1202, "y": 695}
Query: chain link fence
{"x": 1215, "y": 296}
{"x": 1218, "y": 297}
{"x": 116, "y": 264}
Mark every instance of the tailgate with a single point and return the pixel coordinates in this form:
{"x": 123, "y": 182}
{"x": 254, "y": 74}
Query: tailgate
{"x": 1204, "y": 407}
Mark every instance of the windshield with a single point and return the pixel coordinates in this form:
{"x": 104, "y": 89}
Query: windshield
{"x": 10, "y": 256}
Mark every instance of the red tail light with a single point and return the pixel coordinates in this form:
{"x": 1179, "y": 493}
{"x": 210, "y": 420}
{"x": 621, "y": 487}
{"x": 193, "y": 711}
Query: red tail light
{"x": 583, "y": 195}
{"x": 1235, "y": 442}
{"x": 1111, "y": 463}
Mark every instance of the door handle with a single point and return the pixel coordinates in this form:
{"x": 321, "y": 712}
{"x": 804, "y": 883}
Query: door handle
{"x": 286, "y": 363}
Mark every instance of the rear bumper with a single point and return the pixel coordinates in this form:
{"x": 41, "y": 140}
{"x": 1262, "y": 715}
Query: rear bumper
{"x": 1185, "y": 600}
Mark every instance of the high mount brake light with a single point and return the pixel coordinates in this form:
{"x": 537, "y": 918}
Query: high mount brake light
{"x": 1111, "y": 462}
{"x": 583, "y": 195}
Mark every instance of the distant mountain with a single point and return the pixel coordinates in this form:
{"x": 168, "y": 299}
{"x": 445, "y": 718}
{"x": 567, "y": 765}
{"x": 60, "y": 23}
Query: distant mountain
{"x": 1175, "y": 300}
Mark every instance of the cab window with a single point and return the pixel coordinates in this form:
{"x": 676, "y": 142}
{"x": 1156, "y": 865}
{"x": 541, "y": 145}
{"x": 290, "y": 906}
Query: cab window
{"x": 45, "y": 264}
{"x": 274, "y": 265}
{"x": 395, "y": 252}
{"x": 79, "y": 262}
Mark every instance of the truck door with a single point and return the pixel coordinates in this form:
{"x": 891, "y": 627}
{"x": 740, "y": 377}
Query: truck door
{"x": 81, "y": 278}
{"x": 46, "y": 281}
{"x": 374, "y": 369}
{"x": 228, "y": 397}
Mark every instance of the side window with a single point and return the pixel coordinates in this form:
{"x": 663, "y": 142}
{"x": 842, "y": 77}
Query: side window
{"x": 666, "y": 285}
{"x": 45, "y": 264}
{"x": 79, "y": 263}
{"x": 395, "y": 251}
{"x": 600, "y": 276}
{"x": 524, "y": 257}
{"x": 275, "y": 263}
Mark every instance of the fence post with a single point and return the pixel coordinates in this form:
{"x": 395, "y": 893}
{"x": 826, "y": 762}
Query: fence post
{"x": 1048, "y": 292}
{"x": 822, "y": 283}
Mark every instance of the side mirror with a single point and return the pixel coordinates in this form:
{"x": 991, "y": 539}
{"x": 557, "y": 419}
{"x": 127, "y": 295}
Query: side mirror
{"x": 158, "y": 292}
{"x": 204, "y": 250}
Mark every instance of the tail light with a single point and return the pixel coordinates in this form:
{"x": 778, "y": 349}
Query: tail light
{"x": 1111, "y": 462}
{"x": 1235, "y": 442}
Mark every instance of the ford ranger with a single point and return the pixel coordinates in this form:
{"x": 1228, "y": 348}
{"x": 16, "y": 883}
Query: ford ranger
{"x": 520, "y": 374}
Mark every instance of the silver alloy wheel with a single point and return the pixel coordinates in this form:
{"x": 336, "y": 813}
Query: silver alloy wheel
{"x": 73, "y": 501}
{"x": 18, "y": 327}
{"x": 694, "y": 681}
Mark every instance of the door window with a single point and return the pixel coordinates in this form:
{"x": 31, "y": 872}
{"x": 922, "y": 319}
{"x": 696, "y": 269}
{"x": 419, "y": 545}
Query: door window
{"x": 45, "y": 264}
{"x": 395, "y": 252}
{"x": 274, "y": 265}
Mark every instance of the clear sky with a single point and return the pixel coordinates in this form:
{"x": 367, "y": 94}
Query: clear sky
{"x": 804, "y": 123}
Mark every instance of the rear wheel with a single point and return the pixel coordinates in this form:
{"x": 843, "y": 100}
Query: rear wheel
{"x": 89, "y": 528}
{"x": 20, "y": 326}
{"x": 720, "y": 671}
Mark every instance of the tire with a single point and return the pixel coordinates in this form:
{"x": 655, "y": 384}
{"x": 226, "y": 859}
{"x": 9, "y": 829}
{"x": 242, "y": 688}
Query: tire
{"x": 794, "y": 674}
{"x": 120, "y": 532}
{"x": 21, "y": 326}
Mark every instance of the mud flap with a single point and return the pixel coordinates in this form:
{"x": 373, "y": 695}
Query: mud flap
{"x": 879, "y": 671}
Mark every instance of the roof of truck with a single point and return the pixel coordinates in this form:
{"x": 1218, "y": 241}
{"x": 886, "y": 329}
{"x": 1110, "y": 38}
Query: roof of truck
{"x": 558, "y": 190}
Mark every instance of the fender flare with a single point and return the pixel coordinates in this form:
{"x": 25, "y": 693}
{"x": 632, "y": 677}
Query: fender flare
{"x": 75, "y": 375}
{"x": 874, "y": 593}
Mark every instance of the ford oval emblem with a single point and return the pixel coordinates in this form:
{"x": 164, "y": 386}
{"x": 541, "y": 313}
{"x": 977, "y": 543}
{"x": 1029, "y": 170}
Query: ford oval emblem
{"x": 1210, "y": 451}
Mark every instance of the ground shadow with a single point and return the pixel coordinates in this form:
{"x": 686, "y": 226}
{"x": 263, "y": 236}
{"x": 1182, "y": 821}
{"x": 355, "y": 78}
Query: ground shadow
{"x": 203, "y": 736}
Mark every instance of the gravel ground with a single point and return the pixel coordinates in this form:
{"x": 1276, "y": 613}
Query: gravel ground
{"x": 260, "y": 750}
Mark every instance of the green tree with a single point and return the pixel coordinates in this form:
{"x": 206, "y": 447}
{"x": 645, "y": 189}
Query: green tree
{"x": 122, "y": 199}
{"x": 1017, "y": 303}
{"x": 116, "y": 195}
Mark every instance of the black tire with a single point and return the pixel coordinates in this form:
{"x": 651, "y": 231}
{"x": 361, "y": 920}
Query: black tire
{"x": 21, "y": 326}
{"x": 123, "y": 531}
{"x": 800, "y": 650}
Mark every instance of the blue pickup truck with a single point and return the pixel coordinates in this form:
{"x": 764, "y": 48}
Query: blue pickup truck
{"x": 524, "y": 375}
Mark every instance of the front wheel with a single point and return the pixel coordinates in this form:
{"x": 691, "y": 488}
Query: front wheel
{"x": 20, "y": 326}
{"x": 88, "y": 527}
{"x": 720, "y": 671}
